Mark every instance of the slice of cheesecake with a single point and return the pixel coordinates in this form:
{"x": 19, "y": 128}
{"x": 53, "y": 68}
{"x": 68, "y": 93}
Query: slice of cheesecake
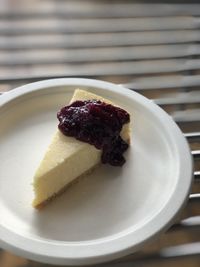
{"x": 66, "y": 159}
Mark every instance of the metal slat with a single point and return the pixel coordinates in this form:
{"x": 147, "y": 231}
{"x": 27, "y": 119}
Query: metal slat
{"x": 179, "y": 98}
{"x": 77, "y": 8}
{"x": 95, "y": 25}
{"x": 100, "y": 69}
{"x": 164, "y": 83}
{"x": 196, "y": 154}
{"x": 151, "y": 83}
{"x": 99, "y": 39}
{"x": 197, "y": 176}
{"x": 191, "y": 222}
{"x": 193, "y": 137}
{"x": 194, "y": 197}
{"x": 184, "y": 116}
{"x": 166, "y": 254}
{"x": 55, "y": 56}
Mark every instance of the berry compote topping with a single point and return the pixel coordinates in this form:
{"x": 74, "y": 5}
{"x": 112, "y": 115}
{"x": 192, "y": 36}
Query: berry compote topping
{"x": 98, "y": 124}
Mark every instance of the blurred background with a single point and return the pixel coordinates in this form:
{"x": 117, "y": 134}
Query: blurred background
{"x": 151, "y": 47}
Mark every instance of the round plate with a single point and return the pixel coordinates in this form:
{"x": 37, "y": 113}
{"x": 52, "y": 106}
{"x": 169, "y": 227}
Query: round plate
{"x": 111, "y": 212}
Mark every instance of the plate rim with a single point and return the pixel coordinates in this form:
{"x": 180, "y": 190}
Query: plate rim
{"x": 96, "y": 252}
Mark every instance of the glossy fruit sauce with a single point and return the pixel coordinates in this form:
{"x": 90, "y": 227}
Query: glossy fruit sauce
{"x": 98, "y": 124}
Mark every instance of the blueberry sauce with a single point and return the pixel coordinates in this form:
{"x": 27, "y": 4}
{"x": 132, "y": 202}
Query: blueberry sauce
{"x": 98, "y": 124}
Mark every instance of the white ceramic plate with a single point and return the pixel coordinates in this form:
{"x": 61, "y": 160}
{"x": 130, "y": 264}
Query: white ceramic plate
{"x": 112, "y": 212}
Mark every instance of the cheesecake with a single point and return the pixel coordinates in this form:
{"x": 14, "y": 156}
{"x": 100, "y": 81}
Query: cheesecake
{"x": 68, "y": 158}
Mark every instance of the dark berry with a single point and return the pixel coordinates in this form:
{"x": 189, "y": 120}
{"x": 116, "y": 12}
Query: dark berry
{"x": 98, "y": 124}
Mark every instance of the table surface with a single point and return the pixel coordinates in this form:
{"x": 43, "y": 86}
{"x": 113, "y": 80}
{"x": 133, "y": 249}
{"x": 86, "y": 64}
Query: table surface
{"x": 151, "y": 47}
